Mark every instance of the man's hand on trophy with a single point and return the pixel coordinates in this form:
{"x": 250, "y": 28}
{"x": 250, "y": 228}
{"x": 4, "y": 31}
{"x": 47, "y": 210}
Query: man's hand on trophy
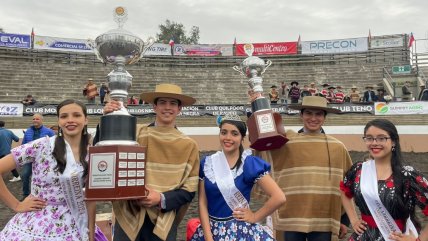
{"x": 111, "y": 106}
{"x": 153, "y": 198}
{"x": 253, "y": 95}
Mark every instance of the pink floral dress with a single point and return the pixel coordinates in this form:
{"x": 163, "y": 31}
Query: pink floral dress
{"x": 54, "y": 222}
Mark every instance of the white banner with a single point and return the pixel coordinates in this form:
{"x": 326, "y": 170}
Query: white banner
{"x": 11, "y": 110}
{"x": 401, "y": 108}
{"x": 386, "y": 42}
{"x": 158, "y": 49}
{"x": 204, "y": 50}
{"x": 63, "y": 44}
{"x": 334, "y": 46}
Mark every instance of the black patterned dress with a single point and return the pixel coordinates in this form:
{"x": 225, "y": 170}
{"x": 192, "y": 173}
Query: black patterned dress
{"x": 415, "y": 192}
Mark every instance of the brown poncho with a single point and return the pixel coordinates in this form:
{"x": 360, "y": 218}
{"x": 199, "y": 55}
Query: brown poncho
{"x": 172, "y": 163}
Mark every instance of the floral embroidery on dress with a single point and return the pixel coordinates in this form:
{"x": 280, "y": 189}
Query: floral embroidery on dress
{"x": 54, "y": 222}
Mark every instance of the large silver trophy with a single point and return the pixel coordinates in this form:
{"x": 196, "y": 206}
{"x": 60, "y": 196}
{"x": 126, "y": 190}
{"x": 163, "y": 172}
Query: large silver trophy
{"x": 117, "y": 163}
{"x": 265, "y": 127}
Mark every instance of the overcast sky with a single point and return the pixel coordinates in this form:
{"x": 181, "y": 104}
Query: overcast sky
{"x": 220, "y": 21}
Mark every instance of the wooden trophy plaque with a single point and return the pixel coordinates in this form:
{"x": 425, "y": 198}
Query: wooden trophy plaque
{"x": 116, "y": 172}
{"x": 266, "y": 131}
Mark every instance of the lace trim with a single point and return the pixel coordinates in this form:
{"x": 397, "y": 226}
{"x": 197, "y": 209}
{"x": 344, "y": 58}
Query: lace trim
{"x": 261, "y": 175}
{"x": 209, "y": 171}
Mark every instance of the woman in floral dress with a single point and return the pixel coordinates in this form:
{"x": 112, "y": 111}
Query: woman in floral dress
{"x": 227, "y": 178}
{"x": 399, "y": 188}
{"x": 47, "y": 213}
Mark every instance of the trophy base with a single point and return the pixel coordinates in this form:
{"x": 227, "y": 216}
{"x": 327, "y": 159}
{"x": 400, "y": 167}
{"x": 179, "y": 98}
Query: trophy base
{"x": 116, "y": 172}
{"x": 118, "y": 127}
{"x": 266, "y": 131}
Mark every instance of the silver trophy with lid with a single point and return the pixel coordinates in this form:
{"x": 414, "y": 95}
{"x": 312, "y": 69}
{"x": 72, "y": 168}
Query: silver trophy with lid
{"x": 117, "y": 163}
{"x": 119, "y": 47}
{"x": 265, "y": 127}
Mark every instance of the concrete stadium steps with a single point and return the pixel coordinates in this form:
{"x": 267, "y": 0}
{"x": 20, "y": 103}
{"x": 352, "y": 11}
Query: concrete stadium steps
{"x": 53, "y": 76}
{"x": 209, "y": 121}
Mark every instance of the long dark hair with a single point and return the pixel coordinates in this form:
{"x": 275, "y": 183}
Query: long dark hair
{"x": 242, "y": 128}
{"x": 400, "y": 181}
{"x": 59, "y": 151}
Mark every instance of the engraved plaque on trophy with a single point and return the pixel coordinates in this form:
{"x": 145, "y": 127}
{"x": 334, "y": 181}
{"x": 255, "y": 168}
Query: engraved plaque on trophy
{"x": 265, "y": 128}
{"x": 117, "y": 164}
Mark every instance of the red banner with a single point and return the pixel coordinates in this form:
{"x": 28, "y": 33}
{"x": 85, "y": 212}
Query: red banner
{"x": 269, "y": 49}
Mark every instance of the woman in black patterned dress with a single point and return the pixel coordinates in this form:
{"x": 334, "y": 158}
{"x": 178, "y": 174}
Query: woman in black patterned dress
{"x": 400, "y": 187}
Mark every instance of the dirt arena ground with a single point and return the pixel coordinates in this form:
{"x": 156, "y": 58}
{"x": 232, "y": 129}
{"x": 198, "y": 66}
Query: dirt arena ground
{"x": 419, "y": 160}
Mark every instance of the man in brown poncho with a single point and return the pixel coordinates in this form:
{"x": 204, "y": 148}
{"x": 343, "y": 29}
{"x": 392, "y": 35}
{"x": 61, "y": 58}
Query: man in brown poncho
{"x": 172, "y": 168}
{"x": 309, "y": 168}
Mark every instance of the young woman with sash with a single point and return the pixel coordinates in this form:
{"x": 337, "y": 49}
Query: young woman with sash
{"x": 226, "y": 180}
{"x": 55, "y": 209}
{"x": 385, "y": 190}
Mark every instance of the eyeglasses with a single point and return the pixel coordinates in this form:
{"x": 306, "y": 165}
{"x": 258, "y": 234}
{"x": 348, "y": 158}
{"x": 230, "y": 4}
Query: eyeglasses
{"x": 379, "y": 140}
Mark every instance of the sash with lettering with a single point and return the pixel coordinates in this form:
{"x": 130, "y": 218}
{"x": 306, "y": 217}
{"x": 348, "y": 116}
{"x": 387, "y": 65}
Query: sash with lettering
{"x": 369, "y": 190}
{"x": 71, "y": 184}
{"x": 225, "y": 182}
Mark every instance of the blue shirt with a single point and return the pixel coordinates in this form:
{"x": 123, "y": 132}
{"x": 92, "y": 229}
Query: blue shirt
{"x": 34, "y": 133}
{"x": 6, "y": 137}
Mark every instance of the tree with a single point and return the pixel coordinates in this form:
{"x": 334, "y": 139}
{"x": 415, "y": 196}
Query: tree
{"x": 1, "y": 30}
{"x": 177, "y": 32}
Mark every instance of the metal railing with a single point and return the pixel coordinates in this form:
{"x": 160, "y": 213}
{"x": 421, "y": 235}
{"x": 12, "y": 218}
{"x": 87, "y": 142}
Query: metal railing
{"x": 387, "y": 79}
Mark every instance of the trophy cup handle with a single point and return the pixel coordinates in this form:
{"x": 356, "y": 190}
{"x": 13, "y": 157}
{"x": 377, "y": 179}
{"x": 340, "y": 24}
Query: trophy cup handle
{"x": 238, "y": 69}
{"x": 91, "y": 44}
{"x": 268, "y": 63}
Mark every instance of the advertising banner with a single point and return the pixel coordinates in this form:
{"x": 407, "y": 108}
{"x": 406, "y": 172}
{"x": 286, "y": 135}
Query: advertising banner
{"x": 386, "y": 42}
{"x": 63, "y": 44}
{"x": 282, "y": 48}
{"x": 203, "y": 50}
{"x": 11, "y": 40}
{"x": 158, "y": 49}
{"x": 200, "y": 110}
{"x": 334, "y": 46}
{"x": 11, "y": 110}
{"x": 401, "y": 108}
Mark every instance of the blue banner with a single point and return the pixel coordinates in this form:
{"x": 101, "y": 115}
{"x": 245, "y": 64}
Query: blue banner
{"x": 11, "y": 40}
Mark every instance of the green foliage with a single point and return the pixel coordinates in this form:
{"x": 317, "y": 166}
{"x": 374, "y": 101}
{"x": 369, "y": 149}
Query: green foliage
{"x": 172, "y": 30}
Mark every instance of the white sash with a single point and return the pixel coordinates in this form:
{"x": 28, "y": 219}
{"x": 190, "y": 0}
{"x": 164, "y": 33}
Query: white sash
{"x": 369, "y": 190}
{"x": 225, "y": 181}
{"x": 72, "y": 186}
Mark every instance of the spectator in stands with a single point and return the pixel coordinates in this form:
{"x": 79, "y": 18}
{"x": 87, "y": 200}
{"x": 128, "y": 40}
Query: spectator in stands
{"x": 340, "y": 96}
{"x": 34, "y": 132}
{"x": 284, "y": 93}
{"x": 380, "y": 95}
{"x": 229, "y": 217}
{"x": 324, "y": 90}
{"x": 132, "y": 100}
{"x": 407, "y": 94}
{"x": 273, "y": 94}
{"x": 29, "y": 100}
{"x": 90, "y": 91}
{"x": 331, "y": 96}
{"x": 305, "y": 91}
{"x": 309, "y": 168}
{"x": 369, "y": 95}
{"x": 6, "y": 138}
{"x": 159, "y": 214}
{"x": 423, "y": 95}
{"x": 354, "y": 95}
{"x": 103, "y": 92}
{"x": 313, "y": 89}
{"x": 294, "y": 92}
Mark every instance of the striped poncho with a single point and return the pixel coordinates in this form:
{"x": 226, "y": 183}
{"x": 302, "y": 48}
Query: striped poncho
{"x": 172, "y": 163}
{"x": 309, "y": 169}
